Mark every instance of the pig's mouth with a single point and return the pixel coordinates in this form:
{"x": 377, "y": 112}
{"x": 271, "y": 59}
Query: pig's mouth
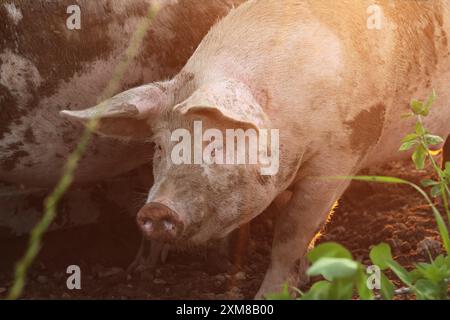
{"x": 209, "y": 230}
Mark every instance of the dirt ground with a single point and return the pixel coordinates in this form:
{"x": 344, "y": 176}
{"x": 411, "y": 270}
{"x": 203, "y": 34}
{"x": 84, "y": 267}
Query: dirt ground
{"x": 367, "y": 215}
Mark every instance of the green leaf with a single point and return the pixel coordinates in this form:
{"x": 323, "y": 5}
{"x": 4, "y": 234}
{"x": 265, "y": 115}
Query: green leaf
{"x": 328, "y": 250}
{"x": 419, "y": 157}
{"x": 435, "y": 191}
{"x": 417, "y": 107}
{"x": 447, "y": 263}
{"x": 380, "y": 255}
{"x": 283, "y": 295}
{"x": 415, "y": 275}
{"x": 333, "y": 268}
{"x": 442, "y": 227}
{"x": 408, "y": 145}
{"x": 319, "y": 291}
{"x": 423, "y": 109}
{"x": 378, "y": 179}
{"x": 435, "y": 272}
{"x": 440, "y": 261}
{"x": 431, "y": 99}
{"x": 410, "y": 137}
{"x": 400, "y": 272}
{"x": 447, "y": 172}
{"x": 427, "y": 290}
{"x": 433, "y": 140}
{"x": 387, "y": 288}
{"x": 341, "y": 289}
{"x": 447, "y": 167}
{"x": 420, "y": 130}
{"x": 361, "y": 285}
{"x": 406, "y": 115}
{"x": 429, "y": 182}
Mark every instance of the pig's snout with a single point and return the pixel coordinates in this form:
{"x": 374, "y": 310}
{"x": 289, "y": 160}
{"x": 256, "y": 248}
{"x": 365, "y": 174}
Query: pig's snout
{"x": 159, "y": 222}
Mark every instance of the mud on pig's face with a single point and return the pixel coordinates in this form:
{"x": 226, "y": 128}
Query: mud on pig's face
{"x": 197, "y": 202}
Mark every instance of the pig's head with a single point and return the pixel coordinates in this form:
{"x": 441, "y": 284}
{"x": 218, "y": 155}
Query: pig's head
{"x": 198, "y": 194}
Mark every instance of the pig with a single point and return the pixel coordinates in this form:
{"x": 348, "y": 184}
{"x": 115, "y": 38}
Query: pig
{"x": 335, "y": 89}
{"x": 45, "y": 67}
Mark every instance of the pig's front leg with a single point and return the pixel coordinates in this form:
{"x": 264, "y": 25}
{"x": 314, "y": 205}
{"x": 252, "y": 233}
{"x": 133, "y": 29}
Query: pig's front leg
{"x": 306, "y": 212}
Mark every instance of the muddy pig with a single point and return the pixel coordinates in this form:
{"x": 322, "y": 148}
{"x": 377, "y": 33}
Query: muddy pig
{"x": 314, "y": 76}
{"x": 46, "y": 67}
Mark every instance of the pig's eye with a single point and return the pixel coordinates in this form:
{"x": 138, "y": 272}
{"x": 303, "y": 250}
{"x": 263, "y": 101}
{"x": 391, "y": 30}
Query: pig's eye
{"x": 158, "y": 148}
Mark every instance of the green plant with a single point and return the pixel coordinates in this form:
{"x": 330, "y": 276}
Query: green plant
{"x": 344, "y": 277}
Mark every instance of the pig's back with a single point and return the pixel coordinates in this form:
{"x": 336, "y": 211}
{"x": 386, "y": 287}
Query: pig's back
{"x": 317, "y": 64}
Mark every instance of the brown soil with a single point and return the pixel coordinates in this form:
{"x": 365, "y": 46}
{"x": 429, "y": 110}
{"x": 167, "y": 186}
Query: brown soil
{"x": 367, "y": 215}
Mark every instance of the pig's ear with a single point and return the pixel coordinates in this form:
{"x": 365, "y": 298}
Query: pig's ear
{"x": 229, "y": 99}
{"x": 128, "y": 115}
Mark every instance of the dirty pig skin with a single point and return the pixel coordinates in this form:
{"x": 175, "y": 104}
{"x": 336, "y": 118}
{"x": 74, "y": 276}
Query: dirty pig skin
{"x": 44, "y": 67}
{"x": 334, "y": 88}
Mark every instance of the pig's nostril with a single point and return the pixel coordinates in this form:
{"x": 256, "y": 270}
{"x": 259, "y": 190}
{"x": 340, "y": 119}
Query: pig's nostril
{"x": 159, "y": 222}
{"x": 147, "y": 225}
{"x": 168, "y": 225}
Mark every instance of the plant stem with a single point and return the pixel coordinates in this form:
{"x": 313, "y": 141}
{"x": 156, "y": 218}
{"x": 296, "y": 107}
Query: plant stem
{"x": 439, "y": 171}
